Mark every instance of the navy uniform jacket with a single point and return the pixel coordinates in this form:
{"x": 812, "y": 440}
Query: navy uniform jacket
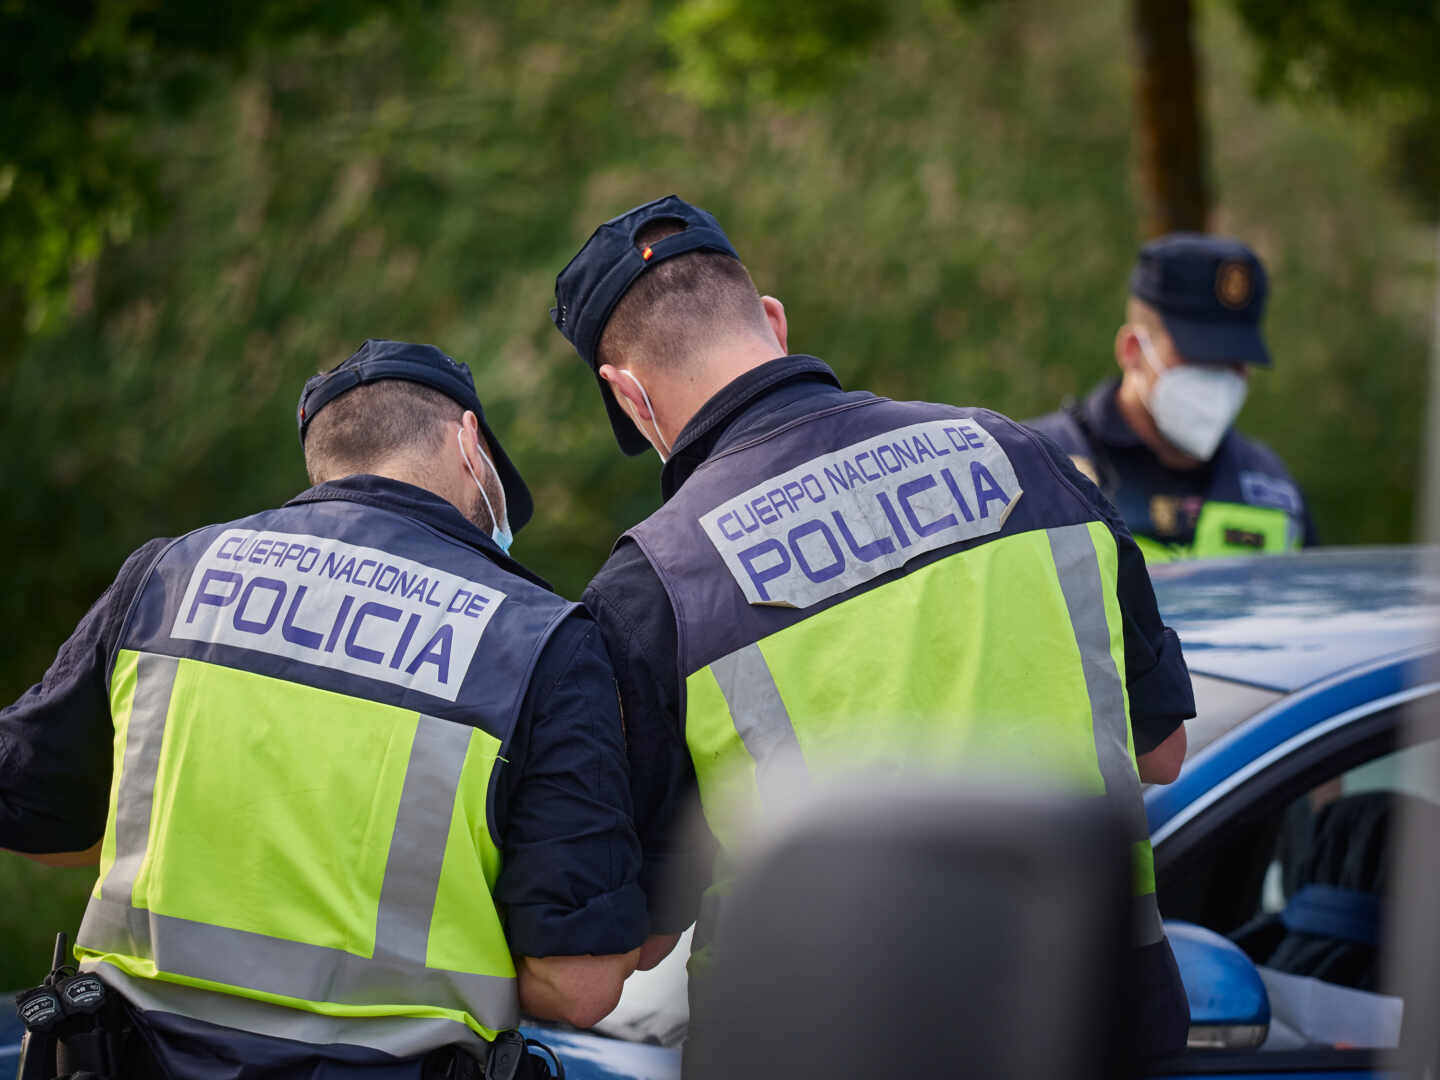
{"x": 635, "y": 615}
{"x": 1155, "y": 500}
{"x": 562, "y": 808}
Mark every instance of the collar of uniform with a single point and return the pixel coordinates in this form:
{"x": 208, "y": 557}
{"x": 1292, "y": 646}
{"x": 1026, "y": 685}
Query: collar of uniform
{"x": 697, "y": 439}
{"x": 430, "y": 509}
{"x": 1104, "y": 416}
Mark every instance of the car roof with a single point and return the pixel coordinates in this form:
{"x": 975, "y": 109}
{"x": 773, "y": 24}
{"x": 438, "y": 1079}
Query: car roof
{"x": 1285, "y": 621}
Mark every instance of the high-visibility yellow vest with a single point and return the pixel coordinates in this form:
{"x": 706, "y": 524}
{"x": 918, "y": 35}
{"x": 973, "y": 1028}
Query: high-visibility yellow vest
{"x": 1225, "y": 528}
{"x": 887, "y": 585}
{"x": 309, "y": 709}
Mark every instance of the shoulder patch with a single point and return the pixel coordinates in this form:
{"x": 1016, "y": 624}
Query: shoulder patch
{"x": 1261, "y": 489}
{"x": 845, "y": 517}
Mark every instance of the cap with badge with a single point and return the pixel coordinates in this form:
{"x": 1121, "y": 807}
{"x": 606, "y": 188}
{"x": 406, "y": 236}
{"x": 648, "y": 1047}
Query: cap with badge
{"x": 1210, "y": 292}
{"x": 593, "y": 282}
{"x": 378, "y": 359}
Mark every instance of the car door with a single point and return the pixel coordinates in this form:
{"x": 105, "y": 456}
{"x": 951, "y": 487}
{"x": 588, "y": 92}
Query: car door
{"x": 1314, "y": 820}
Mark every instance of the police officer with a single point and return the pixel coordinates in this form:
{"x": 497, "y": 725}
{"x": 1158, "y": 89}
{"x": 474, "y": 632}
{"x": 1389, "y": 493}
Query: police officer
{"x": 1158, "y": 439}
{"x": 347, "y": 756}
{"x": 835, "y": 576}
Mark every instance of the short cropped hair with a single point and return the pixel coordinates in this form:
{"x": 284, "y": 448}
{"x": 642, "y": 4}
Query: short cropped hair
{"x": 680, "y": 305}
{"x": 375, "y": 424}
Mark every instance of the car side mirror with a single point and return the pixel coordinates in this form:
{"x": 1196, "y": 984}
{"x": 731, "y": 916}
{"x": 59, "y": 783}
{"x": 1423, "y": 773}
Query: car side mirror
{"x": 1229, "y": 1009}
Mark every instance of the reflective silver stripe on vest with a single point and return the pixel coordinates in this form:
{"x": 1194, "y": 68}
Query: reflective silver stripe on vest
{"x": 1079, "y": 570}
{"x": 154, "y": 683}
{"x": 292, "y": 969}
{"x": 417, "y": 846}
{"x": 396, "y": 975}
{"x": 760, "y": 717}
{"x": 399, "y": 1036}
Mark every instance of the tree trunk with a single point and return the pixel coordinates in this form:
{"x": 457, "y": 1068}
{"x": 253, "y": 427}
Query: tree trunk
{"x": 1170, "y": 137}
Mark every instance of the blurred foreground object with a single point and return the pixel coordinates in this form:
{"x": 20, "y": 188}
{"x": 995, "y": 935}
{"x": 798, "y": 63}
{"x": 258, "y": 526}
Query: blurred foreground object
{"x": 937, "y": 930}
{"x": 1412, "y": 957}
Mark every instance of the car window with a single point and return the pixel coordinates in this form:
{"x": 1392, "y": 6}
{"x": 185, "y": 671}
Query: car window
{"x": 1294, "y": 864}
{"x": 1414, "y": 771}
{"x": 1314, "y": 929}
{"x": 1406, "y": 779}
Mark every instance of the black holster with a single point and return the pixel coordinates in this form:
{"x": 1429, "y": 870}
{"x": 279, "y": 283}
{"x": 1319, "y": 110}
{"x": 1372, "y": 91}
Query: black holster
{"x": 105, "y": 1046}
{"x": 77, "y": 1027}
{"x": 510, "y": 1059}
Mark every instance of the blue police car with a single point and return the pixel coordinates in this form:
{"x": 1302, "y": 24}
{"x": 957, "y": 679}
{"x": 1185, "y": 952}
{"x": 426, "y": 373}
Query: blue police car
{"x": 1317, "y": 680}
{"x": 1316, "y": 677}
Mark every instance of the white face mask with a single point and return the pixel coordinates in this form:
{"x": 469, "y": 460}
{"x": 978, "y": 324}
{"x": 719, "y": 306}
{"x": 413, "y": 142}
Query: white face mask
{"x": 499, "y": 526}
{"x": 1192, "y": 405}
{"x": 664, "y": 454}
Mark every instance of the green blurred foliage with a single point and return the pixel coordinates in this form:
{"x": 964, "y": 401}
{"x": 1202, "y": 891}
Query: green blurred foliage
{"x": 1352, "y": 52}
{"x": 81, "y": 82}
{"x": 1413, "y": 159}
{"x": 952, "y": 219}
{"x": 767, "y": 51}
{"x": 1349, "y": 49}
{"x": 37, "y": 902}
{"x": 1382, "y": 56}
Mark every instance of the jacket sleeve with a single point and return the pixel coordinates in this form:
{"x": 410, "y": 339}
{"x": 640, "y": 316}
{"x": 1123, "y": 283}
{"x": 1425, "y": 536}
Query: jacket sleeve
{"x": 638, "y": 624}
{"x": 56, "y": 741}
{"x": 568, "y": 877}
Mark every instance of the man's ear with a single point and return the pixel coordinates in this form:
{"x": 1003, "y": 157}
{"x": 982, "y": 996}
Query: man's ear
{"x": 625, "y": 389}
{"x": 469, "y": 439}
{"x": 1128, "y": 353}
{"x": 775, "y": 316}
{"x": 469, "y": 433}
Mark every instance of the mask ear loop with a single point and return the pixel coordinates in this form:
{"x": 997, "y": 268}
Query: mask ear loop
{"x": 460, "y": 440}
{"x": 1147, "y": 349}
{"x": 653, "y": 422}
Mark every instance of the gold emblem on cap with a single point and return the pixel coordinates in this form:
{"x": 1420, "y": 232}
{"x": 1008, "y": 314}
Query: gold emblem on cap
{"x": 1233, "y": 285}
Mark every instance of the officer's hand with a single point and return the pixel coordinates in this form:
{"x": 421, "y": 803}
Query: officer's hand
{"x": 580, "y": 990}
{"x": 1162, "y": 765}
{"x": 655, "y": 949}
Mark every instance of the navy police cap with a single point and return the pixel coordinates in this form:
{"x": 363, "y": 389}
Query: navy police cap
{"x": 1210, "y": 292}
{"x": 593, "y": 282}
{"x": 378, "y": 359}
